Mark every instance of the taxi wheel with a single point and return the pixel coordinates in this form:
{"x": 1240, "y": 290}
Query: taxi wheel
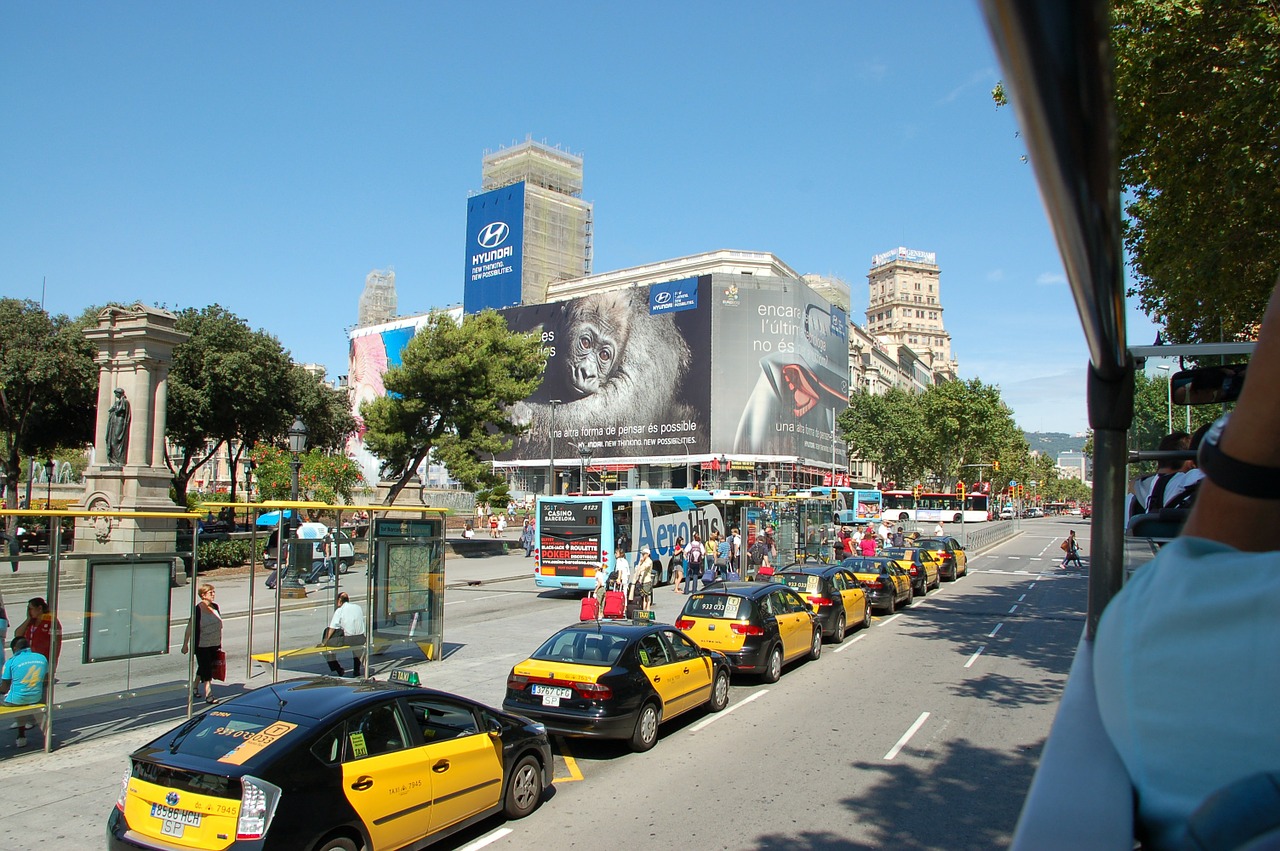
{"x": 815, "y": 649}
{"x": 524, "y": 789}
{"x": 338, "y": 843}
{"x": 646, "y": 733}
{"x": 773, "y": 668}
{"x": 866, "y": 617}
{"x": 837, "y": 637}
{"x": 719, "y": 691}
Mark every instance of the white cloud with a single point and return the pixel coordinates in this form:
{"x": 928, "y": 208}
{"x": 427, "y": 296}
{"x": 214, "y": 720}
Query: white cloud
{"x": 1049, "y": 278}
{"x": 995, "y": 275}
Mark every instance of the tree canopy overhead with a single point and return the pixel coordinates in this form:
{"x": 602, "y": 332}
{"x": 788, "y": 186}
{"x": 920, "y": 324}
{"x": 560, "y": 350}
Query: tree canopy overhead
{"x": 1199, "y": 126}
{"x": 451, "y": 393}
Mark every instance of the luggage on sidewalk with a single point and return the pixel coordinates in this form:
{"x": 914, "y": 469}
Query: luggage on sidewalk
{"x": 615, "y": 604}
{"x": 590, "y": 608}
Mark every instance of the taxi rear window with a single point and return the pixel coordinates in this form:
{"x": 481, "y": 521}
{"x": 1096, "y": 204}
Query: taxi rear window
{"x": 805, "y": 583}
{"x": 865, "y": 565}
{"x": 228, "y": 737}
{"x": 582, "y": 647}
{"x": 726, "y": 606}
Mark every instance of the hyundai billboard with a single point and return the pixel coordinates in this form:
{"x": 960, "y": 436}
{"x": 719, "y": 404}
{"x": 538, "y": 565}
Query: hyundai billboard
{"x": 495, "y": 249}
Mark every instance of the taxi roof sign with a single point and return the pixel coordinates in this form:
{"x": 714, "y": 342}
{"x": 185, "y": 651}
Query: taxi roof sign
{"x": 405, "y": 677}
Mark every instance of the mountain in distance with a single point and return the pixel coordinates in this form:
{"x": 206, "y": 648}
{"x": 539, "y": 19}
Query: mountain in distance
{"x": 1050, "y": 443}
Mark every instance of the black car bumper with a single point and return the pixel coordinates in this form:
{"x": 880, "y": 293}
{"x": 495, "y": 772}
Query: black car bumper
{"x": 121, "y": 838}
{"x": 569, "y": 722}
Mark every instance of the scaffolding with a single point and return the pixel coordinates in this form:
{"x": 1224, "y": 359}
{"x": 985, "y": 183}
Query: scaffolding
{"x": 558, "y": 224}
{"x": 378, "y": 302}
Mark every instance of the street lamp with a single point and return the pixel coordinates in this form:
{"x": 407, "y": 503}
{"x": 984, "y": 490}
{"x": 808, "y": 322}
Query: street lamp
{"x": 551, "y": 442}
{"x": 1168, "y": 374}
{"x": 248, "y": 490}
{"x": 584, "y": 456}
{"x": 724, "y": 465}
{"x": 292, "y": 585}
{"x": 49, "y": 467}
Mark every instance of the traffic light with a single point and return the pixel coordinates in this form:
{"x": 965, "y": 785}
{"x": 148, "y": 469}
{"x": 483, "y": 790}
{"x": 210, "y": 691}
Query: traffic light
{"x": 915, "y": 491}
{"x": 995, "y": 465}
{"x": 960, "y": 490}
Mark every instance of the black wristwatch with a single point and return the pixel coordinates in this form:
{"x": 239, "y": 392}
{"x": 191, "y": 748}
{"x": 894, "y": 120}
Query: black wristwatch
{"x": 1232, "y": 474}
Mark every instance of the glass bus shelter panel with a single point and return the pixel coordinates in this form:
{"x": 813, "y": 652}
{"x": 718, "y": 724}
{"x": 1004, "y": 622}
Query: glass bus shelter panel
{"x": 407, "y": 606}
{"x": 812, "y": 528}
{"x": 127, "y": 607}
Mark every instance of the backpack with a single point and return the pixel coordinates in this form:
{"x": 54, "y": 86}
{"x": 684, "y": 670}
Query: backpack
{"x": 757, "y": 552}
{"x": 695, "y": 554}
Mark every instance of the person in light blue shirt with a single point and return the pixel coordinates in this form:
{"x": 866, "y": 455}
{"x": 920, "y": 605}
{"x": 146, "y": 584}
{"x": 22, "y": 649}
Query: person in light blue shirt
{"x": 22, "y": 681}
{"x": 1186, "y": 671}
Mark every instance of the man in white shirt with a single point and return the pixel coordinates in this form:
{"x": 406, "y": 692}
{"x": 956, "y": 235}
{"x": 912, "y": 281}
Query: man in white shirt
{"x": 346, "y": 629}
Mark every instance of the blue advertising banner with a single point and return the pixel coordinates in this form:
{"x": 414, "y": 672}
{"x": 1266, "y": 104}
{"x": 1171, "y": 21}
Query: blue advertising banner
{"x": 673, "y": 296}
{"x": 495, "y": 249}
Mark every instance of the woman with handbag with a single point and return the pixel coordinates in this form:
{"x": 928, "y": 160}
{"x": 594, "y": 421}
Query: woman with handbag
{"x": 206, "y": 623}
{"x": 678, "y": 566}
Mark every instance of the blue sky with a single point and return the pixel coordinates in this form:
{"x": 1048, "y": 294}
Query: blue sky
{"x": 267, "y": 156}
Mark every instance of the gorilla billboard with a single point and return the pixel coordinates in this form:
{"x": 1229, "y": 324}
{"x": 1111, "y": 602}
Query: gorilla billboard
{"x": 627, "y": 374}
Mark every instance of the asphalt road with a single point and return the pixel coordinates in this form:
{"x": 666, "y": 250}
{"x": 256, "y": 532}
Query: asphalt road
{"x": 921, "y": 732}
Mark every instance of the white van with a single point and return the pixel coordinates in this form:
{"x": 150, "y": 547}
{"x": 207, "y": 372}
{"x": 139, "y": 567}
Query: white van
{"x": 317, "y": 533}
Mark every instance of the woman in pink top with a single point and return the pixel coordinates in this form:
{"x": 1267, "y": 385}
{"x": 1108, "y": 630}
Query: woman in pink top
{"x": 868, "y": 544}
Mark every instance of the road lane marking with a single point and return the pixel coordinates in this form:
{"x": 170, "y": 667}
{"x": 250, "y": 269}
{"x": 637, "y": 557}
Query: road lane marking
{"x": 906, "y": 737}
{"x": 1024, "y": 596}
{"x": 705, "y": 721}
{"x": 1022, "y": 573}
{"x": 1014, "y": 558}
{"x": 575, "y": 774}
{"x": 891, "y": 619}
{"x": 1036, "y": 558}
{"x": 487, "y": 839}
{"x": 993, "y": 632}
{"x": 975, "y": 656}
{"x": 850, "y": 644}
{"x": 1014, "y": 609}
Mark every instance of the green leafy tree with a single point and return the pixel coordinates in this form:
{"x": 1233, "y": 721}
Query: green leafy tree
{"x": 48, "y": 383}
{"x": 966, "y": 422}
{"x": 322, "y": 477}
{"x": 451, "y": 393}
{"x": 889, "y": 431}
{"x": 1199, "y": 143}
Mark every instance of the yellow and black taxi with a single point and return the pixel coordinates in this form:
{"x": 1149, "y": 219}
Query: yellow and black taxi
{"x": 886, "y": 582}
{"x": 323, "y": 764}
{"x": 920, "y": 564}
{"x": 833, "y": 592}
{"x": 953, "y": 562}
{"x": 616, "y": 680}
{"x": 758, "y": 627}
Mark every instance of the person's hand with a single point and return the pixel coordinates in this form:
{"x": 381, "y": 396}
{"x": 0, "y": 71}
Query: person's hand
{"x": 184, "y": 647}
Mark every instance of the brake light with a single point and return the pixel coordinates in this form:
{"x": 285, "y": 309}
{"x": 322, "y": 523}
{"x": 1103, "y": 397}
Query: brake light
{"x": 258, "y": 800}
{"x": 124, "y": 788}
{"x": 914, "y": 570}
{"x": 820, "y": 601}
{"x": 684, "y": 623}
{"x": 874, "y": 585}
{"x": 746, "y": 629}
{"x": 516, "y": 681}
{"x": 592, "y": 691}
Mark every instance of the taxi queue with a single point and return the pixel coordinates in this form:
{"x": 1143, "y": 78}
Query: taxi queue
{"x": 328, "y": 764}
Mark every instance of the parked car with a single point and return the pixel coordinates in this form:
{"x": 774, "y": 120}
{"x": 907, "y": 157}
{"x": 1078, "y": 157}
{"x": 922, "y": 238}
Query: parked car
{"x": 346, "y": 550}
{"x": 837, "y": 597}
{"x": 758, "y": 627}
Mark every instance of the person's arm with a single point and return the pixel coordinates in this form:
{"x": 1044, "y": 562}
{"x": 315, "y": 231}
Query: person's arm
{"x": 195, "y": 618}
{"x": 1239, "y": 521}
{"x": 22, "y": 628}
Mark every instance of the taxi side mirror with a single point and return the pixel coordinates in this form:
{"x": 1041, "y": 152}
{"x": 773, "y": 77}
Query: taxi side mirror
{"x": 495, "y": 729}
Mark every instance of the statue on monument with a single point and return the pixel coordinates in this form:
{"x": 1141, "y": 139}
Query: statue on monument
{"x": 118, "y": 428}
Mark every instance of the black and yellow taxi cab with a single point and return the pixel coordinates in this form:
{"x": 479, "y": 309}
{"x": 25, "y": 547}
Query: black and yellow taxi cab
{"x": 953, "y": 562}
{"x": 886, "y": 582}
{"x": 616, "y": 680}
{"x": 833, "y": 592}
{"x": 920, "y": 564}
{"x": 758, "y": 627}
{"x": 323, "y": 764}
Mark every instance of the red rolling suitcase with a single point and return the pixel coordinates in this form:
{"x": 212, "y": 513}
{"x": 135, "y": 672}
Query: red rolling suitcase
{"x": 615, "y": 604}
{"x": 590, "y": 608}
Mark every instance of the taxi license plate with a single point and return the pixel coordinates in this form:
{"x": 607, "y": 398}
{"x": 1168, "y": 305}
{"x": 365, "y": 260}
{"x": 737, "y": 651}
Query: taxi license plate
{"x": 173, "y": 822}
{"x": 552, "y": 695}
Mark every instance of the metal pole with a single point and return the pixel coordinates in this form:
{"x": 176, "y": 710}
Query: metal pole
{"x": 551, "y": 444}
{"x": 55, "y": 544}
{"x": 193, "y": 638}
{"x": 281, "y": 549}
{"x": 369, "y": 601}
{"x": 253, "y": 561}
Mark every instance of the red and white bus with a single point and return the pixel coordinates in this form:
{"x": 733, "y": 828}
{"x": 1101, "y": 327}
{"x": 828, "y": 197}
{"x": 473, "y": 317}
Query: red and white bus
{"x": 934, "y": 507}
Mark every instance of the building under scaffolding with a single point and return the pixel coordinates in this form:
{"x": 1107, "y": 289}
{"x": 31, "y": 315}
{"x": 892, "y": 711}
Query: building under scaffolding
{"x": 555, "y": 224}
{"x": 378, "y": 302}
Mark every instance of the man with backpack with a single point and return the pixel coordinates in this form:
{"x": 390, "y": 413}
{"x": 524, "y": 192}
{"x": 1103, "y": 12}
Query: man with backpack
{"x": 697, "y": 557}
{"x": 756, "y": 556}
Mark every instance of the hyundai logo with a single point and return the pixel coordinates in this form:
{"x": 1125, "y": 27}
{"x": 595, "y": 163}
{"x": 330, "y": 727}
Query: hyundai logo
{"x": 171, "y": 799}
{"x": 662, "y": 298}
{"x": 492, "y": 235}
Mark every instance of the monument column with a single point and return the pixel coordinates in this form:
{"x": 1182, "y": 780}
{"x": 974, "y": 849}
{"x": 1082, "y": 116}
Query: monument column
{"x": 135, "y": 347}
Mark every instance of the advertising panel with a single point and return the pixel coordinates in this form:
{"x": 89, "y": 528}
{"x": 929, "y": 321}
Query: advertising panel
{"x": 569, "y": 540}
{"x": 790, "y": 368}
{"x": 495, "y": 249}
{"x": 627, "y": 375}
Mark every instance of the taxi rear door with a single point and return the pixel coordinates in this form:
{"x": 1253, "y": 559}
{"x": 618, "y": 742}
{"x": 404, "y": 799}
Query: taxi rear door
{"x": 665, "y": 675}
{"x": 697, "y": 670}
{"x": 851, "y": 595}
{"x": 795, "y": 624}
{"x": 465, "y": 762}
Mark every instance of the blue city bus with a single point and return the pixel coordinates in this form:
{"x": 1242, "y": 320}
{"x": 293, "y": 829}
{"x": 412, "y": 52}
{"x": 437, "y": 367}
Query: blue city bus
{"x": 576, "y": 536}
{"x": 850, "y": 506}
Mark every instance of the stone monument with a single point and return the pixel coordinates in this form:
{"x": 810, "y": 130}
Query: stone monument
{"x": 128, "y": 473}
